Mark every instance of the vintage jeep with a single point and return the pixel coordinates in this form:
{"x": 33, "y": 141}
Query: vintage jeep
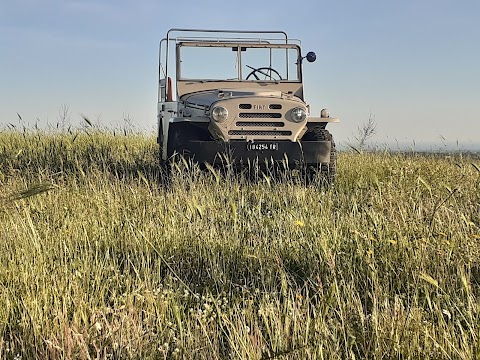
{"x": 238, "y": 95}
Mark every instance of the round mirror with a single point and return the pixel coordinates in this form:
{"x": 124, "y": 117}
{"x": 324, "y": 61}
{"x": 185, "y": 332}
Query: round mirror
{"x": 311, "y": 57}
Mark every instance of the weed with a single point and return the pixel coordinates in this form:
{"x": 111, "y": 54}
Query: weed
{"x": 104, "y": 257}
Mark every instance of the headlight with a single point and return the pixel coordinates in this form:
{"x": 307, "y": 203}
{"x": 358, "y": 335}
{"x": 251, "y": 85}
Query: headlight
{"x": 298, "y": 114}
{"x": 219, "y": 114}
{"x": 325, "y": 113}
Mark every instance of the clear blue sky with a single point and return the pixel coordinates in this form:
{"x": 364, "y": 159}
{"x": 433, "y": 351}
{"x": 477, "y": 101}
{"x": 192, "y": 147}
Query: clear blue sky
{"x": 413, "y": 64}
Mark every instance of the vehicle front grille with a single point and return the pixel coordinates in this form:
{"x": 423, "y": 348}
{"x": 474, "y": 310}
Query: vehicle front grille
{"x": 265, "y": 120}
{"x": 260, "y": 115}
{"x": 259, "y": 133}
{"x": 259, "y": 124}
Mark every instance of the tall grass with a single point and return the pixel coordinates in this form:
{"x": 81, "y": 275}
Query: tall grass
{"x": 103, "y": 256}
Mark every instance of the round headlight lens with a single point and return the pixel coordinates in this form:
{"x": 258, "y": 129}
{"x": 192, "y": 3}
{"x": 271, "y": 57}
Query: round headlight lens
{"x": 219, "y": 114}
{"x": 298, "y": 114}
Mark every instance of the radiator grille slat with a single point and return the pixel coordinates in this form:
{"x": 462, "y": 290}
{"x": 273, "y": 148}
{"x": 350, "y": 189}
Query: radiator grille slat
{"x": 259, "y": 115}
{"x": 275, "y": 106}
{"x": 259, "y": 133}
{"x": 271, "y": 106}
{"x": 259, "y": 124}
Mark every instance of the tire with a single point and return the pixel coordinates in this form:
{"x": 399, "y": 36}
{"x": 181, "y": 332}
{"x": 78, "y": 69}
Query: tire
{"x": 180, "y": 133}
{"x": 326, "y": 171}
{"x": 177, "y": 135}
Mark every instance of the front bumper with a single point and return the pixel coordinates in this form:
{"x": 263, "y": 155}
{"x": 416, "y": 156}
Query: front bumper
{"x": 294, "y": 153}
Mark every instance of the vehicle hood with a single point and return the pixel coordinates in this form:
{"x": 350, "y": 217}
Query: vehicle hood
{"x": 207, "y": 98}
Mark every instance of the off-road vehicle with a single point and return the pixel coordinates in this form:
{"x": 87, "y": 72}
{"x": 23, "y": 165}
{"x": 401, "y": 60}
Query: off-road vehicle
{"x": 238, "y": 95}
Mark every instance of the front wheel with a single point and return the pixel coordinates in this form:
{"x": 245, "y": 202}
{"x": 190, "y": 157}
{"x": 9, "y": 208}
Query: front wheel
{"x": 326, "y": 171}
{"x": 179, "y": 134}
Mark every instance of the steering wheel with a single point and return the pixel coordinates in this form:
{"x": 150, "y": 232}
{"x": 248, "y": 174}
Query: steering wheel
{"x": 262, "y": 70}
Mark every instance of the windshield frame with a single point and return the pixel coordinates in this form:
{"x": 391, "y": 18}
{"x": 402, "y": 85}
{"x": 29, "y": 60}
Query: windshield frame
{"x": 239, "y": 45}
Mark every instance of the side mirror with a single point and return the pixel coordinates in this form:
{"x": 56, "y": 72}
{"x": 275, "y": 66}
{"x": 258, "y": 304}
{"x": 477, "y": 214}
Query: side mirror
{"x": 311, "y": 57}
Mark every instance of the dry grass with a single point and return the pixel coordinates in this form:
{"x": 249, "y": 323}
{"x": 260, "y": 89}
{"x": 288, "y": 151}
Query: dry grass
{"x": 104, "y": 257}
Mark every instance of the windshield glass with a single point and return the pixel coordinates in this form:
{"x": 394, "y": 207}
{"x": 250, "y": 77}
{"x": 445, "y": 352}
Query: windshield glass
{"x": 232, "y": 62}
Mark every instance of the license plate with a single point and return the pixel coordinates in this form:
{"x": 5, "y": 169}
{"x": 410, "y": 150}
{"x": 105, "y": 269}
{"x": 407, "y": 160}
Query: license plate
{"x": 260, "y": 146}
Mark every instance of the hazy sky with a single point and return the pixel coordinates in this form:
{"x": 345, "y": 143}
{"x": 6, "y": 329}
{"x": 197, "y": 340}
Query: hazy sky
{"x": 413, "y": 64}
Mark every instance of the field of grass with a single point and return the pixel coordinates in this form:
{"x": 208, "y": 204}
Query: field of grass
{"x": 104, "y": 257}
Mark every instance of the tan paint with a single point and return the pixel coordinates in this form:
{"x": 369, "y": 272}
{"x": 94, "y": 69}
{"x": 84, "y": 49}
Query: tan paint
{"x": 268, "y": 118}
